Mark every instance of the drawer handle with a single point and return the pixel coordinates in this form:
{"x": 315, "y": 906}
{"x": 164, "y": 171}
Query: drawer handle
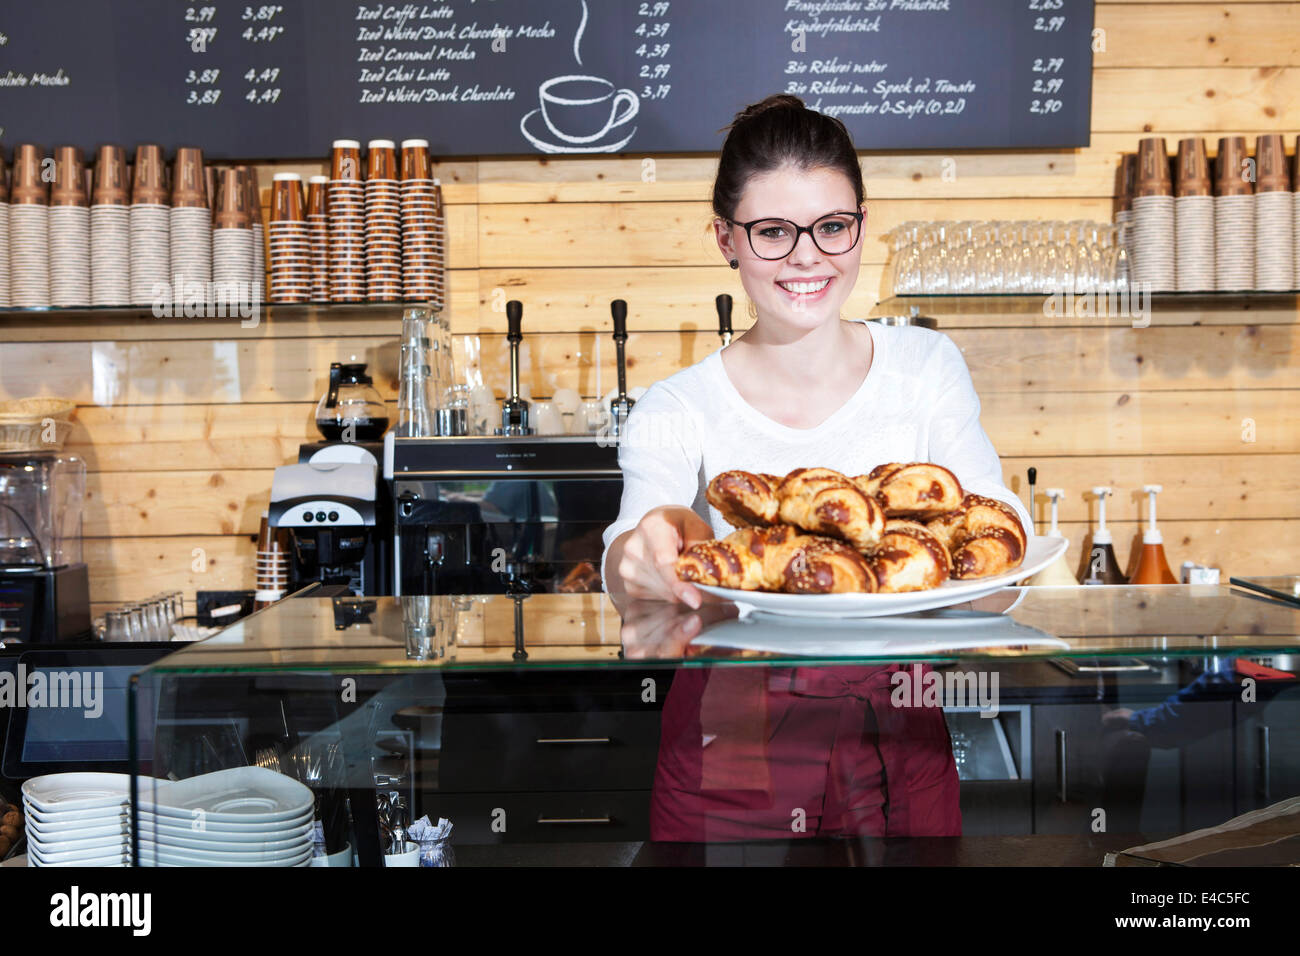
{"x": 604, "y": 819}
{"x": 573, "y": 740}
{"x": 1060, "y": 767}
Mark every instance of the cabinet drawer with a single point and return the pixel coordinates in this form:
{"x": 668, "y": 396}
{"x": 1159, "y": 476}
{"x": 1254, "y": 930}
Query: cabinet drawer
{"x": 591, "y": 750}
{"x": 588, "y": 817}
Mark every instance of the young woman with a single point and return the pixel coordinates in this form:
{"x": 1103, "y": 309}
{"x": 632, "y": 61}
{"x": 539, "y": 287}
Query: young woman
{"x": 801, "y": 388}
{"x": 747, "y": 752}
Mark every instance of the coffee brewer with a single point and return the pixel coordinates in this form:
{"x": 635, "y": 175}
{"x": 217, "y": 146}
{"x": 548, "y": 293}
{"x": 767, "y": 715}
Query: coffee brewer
{"x": 333, "y": 503}
{"x": 44, "y": 586}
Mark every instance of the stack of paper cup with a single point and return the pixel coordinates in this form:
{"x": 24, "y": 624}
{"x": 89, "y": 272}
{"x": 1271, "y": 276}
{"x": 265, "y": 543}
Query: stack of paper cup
{"x": 1193, "y": 218}
{"x": 290, "y": 243}
{"x": 1274, "y": 215}
{"x": 318, "y": 230}
{"x": 346, "y": 212}
{"x": 271, "y": 573}
{"x": 69, "y": 230}
{"x": 1125, "y": 183}
{"x": 150, "y": 226}
{"x": 1153, "y": 217}
{"x": 383, "y": 223}
{"x": 248, "y": 175}
{"x": 4, "y": 235}
{"x": 1234, "y": 217}
{"x": 29, "y": 231}
{"x": 191, "y": 226}
{"x": 424, "y": 257}
{"x": 110, "y": 229}
{"x": 232, "y": 239}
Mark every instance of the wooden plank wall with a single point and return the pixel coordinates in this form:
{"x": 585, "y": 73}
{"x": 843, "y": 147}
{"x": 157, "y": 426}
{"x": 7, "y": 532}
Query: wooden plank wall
{"x": 182, "y": 421}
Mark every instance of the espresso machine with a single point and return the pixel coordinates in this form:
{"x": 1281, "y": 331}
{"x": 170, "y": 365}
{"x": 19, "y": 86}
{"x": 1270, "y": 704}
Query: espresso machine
{"x": 333, "y": 505}
{"x": 44, "y": 585}
{"x": 513, "y": 512}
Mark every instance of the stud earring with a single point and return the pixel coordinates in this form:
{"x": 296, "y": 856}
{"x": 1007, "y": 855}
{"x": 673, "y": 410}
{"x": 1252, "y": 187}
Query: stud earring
{"x": 735, "y": 263}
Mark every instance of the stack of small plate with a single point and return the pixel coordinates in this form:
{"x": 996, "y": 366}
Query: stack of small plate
{"x": 78, "y": 819}
{"x": 245, "y": 816}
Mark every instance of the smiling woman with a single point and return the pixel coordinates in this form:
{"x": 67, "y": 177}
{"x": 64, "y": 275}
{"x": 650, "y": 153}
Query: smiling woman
{"x": 803, "y": 387}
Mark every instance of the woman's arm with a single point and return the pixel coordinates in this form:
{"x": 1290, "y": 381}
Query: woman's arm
{"x": 958, "y": 441}
{"x": 660, "y": 459}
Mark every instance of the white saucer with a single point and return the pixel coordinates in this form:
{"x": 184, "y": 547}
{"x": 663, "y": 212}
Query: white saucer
{"x": 534, "y": 135}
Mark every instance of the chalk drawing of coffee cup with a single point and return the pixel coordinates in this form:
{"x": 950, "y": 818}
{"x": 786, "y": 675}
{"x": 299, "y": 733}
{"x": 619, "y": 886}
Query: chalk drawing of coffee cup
{"x": 582, "y": 109}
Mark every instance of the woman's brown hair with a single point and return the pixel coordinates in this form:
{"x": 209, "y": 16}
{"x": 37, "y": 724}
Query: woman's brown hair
{"x": 780, "y": 131}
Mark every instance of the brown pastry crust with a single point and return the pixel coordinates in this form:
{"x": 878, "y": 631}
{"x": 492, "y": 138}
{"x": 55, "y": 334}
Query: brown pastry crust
{"x": 909, "y": 558}
{"x": 744, "y": 498}
{"x": 917, "y": 489}
{"x": 826, "y": 566}
{"x": 964, "y": 532}
{"x": 826, "y": 502}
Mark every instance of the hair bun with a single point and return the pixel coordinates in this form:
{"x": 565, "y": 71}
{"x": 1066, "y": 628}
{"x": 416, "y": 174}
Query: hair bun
{"x": 773, "y": 102}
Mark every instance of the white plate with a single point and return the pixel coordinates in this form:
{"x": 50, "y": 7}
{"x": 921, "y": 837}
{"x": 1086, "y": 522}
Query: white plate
{"x": 1042, "y": 551}
{"x": 54, "y": 832}
{"x": 84, "y": 857}
{"x": 150, "y": 823}
{"x": 280, "y": 850}
{"x": 77, "y": 791}
{"x": 78, "y": 844}
{"x": 252, "y": 794}
{"x": 148, "y": 857}
{"x": 228, "y": 843}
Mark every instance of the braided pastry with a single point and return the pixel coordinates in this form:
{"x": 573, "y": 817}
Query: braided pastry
{"x": 744, "y": 498}
{"x": 779, "y": 558}
{"x": 909, "y": 558}
{"x": 826, "y": 502}
{"x": 920, "y": 489}
{"x": 984, "y": 536}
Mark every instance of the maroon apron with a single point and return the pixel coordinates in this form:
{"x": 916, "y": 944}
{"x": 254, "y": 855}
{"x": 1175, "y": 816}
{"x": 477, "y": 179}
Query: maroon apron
{"x": 758, "y": 753}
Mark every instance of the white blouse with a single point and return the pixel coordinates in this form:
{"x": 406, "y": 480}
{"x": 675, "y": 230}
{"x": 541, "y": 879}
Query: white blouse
{"x": 917, "y": 403}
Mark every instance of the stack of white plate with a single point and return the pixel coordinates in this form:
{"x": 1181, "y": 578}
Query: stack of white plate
{"x": 1194, "y": 243}
{"x": 1153, "y": 235}
{"x": 1274, "y": 244}
{"x": 245, "y": 816}
{"x": 78, "y": 819}
{"x": 1234, "y": 243}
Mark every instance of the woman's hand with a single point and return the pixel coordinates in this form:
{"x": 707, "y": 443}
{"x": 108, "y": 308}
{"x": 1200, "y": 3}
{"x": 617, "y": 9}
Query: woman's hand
{"x": 655, "y": 630}
{"x": 644, "y": 559}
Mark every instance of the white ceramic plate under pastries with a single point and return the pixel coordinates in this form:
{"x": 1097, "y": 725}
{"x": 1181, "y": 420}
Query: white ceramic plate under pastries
{"x": 1042, "y": 551}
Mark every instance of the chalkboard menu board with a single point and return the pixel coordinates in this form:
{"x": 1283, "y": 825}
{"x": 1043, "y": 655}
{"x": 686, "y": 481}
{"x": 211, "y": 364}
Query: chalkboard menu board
{"x": 482, "y": 77}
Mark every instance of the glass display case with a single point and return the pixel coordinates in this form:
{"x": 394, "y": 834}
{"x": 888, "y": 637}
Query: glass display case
{"x": 1041, "y": 725}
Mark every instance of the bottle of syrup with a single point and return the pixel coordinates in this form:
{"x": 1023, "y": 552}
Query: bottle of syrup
{"x": 1056, "y": 574}
{"x": 1102, "y": 567}
{"x": 1153, "y": 567}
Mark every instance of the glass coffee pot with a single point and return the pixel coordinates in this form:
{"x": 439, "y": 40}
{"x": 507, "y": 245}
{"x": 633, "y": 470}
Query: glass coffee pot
{"x": 351, "y": 410}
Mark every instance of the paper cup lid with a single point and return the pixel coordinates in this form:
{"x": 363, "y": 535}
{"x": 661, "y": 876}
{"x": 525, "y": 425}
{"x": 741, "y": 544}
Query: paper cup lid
{"x": 287, "y": 177}
{"x": 319, "y": 179}
{"x": 415, "y": 143}
{"x": 380, "y": 144}
{"x": 347, "y": 144}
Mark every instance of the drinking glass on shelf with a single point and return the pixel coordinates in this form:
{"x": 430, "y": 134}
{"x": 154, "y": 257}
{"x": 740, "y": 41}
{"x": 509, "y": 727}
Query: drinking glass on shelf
{"x": 908, "y": 274}
{"x": 936, "y": 262}
{"x": 116, "y": 626}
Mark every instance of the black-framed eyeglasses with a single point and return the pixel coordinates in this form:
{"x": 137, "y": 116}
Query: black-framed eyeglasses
{"x": 834, "y": 234}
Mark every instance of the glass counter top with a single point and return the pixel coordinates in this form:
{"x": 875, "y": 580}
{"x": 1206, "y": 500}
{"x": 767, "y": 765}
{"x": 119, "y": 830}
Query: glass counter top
{"x": 588, "y": 631}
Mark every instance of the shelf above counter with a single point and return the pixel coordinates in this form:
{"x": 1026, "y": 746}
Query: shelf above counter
{"x": 1104, "y": 309}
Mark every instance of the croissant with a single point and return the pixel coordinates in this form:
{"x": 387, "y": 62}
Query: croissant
{"x": 744, "y": 498}
{"x": 826, "y": 502}
{"x": 984, "y": 536}
{"x": 721, "y": 564}
{"x": 920, "y": 489}
{"x": 827, "y": 566}
{"x": 909, "y": 558}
